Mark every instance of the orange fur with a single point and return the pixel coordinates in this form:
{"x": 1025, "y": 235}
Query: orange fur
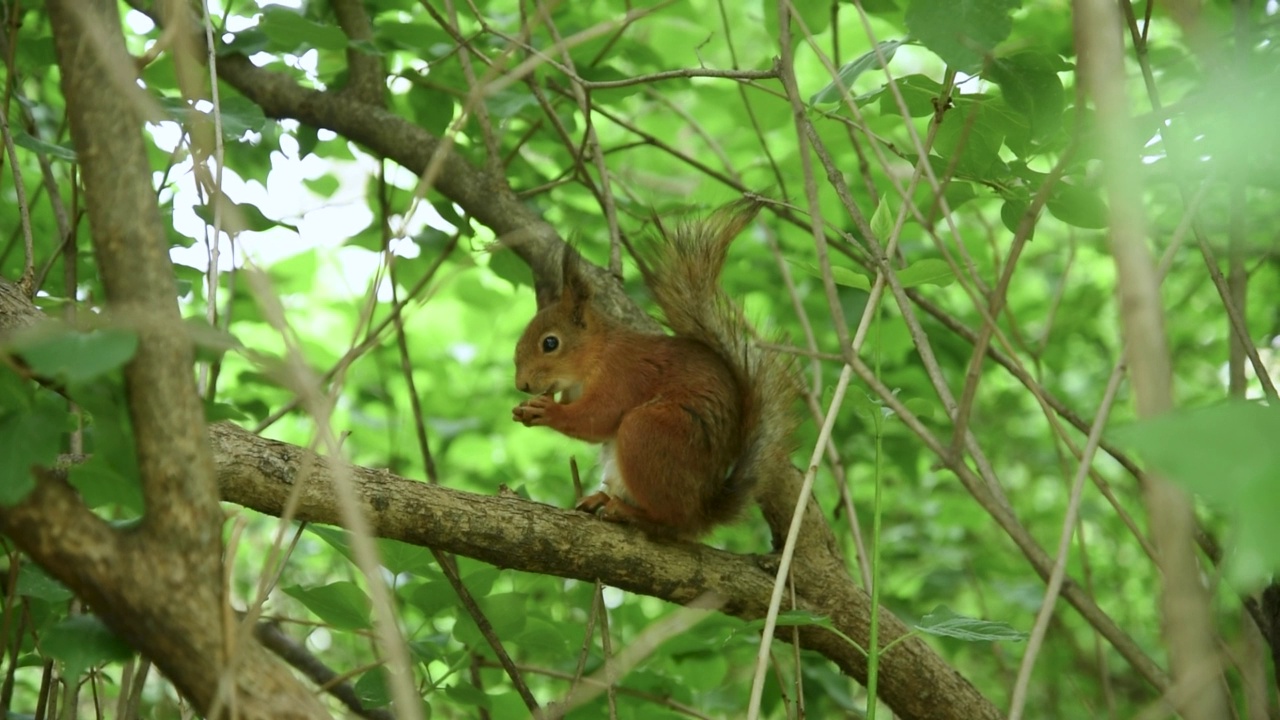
{"x": 690, "y": 421}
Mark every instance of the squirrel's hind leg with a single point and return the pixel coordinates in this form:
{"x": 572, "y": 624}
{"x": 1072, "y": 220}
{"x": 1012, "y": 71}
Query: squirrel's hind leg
{"x": 663, "y": 469}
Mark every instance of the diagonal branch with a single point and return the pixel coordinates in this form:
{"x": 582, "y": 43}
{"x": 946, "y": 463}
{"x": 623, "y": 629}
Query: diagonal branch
{"x": 510, "y": 532}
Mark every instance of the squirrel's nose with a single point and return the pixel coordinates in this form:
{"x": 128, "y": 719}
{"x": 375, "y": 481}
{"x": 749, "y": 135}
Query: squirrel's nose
{"x": 522, "y": 386}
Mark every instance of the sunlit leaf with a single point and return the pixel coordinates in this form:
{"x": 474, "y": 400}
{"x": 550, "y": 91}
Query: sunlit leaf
{"x": 960, "y": 31}
{"x": 289, "y": 31}
{"x": 850, "y": 71}
{"x": 943, "y": 622}
{"x": 342, "y": 604}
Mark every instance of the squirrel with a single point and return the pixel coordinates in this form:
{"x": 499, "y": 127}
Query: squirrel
{"x": 690, "y": 422}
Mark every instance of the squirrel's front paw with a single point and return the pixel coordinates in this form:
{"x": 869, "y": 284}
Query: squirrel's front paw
{"x": 534, "y": 411}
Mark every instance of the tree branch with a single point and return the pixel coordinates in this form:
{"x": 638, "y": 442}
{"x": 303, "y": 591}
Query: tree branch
{"x": 160, "y": 585}
{"x": 510, "y": 532}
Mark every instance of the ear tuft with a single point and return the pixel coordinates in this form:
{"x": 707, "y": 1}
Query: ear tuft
{"x": 576, "y": 289}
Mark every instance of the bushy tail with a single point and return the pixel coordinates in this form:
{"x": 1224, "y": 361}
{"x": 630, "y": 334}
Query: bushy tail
{"x": 684, "y": 277}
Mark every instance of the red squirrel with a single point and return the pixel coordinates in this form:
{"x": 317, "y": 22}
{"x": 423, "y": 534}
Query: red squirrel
{"x": 689, "y": 422}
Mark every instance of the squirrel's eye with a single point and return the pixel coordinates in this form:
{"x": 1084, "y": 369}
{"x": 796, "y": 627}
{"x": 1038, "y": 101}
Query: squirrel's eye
{"x": 550, "y": 343}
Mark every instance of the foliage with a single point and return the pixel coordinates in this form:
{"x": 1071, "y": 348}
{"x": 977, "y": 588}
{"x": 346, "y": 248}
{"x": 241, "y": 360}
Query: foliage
{"x": 953, "y": 130}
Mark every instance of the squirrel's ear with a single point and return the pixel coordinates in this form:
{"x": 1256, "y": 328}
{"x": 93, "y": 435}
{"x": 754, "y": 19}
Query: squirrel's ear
{"x": 575, "y": 288}
{"x": 572, "y": 286}
{"x": 548, "y": 291}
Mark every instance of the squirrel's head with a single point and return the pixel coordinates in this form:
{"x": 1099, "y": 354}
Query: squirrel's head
{"x": 553, "y": 352}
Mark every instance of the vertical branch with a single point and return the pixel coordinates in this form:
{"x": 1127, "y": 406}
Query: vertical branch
{"x": 160, "y": 587}
{"x": 366, "y": 78}
{"x": 1187, "y": 628}
{"x": 131, "y": 249}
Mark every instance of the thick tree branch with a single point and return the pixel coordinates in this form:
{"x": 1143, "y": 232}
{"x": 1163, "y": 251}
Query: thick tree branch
{"x": 132, "y": 251}
{"x": 483, "y": 196}
{"x": 510, "y": 532}
{"x": 160, "y": 585}
{"x": 127, "y": 579}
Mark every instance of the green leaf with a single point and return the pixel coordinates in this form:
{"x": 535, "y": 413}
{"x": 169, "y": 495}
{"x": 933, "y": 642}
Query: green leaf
{"x": 425, "y": 39}
{"x": 961, "y": 32}
{"x": 794, "y": 618}
{"x": 918, "y": 93}
{"x": 308, "y": 139}
{"x": 239, "y": 116}
{"x": 219, "y": 411}
{"x": 1030, "y": 84}
{"x": 1078, "y": 206}
{"x": 432, "y": 598}
{"x": 82, "y": 642}
{"x": 509, "y": 101}
{"x": 919, "y": 407}
{"x": 56, "y": 152}
{"x": 336, "y": 538}
{"x": 431, "y": 238}
{"x": 929, "y": 271}
{"x": 944, "y": 623}
{"x": 432, "y": 108}
{"x": 814, "y": 14}
{"x": 34, "y": 582}
{"x": 975, "y": 132}
{"x": 288, "y": 32}
{"x": 110, "y": 475}
{"x": 400, "y": 557}
{"x": 467, "y": 694}
{"x": 240, "y": 217}
{"x": 17, "y": 394}
{"x": 246, "y": 42}
{"x": 77, "y": 357}
{"x": 373, "y": 688}
{"x": 841, "y": 275}
{"x": 1228, "y": 455}
{"x": 450, "y": 215}
{"x": 507, "y": 612}
{"x": 103, "y": 485}
{"x": 342, "y": 604}
{"x": 324, "y": 186}
{"x": 480, "y": 581}
{"x": 882, "y": 219}
{"x": 850, "y": 71}
{"x": 547, "y": 638}
{"x": 1012, "y": 212}
{"x": 396, "y": 556}
{"x": 28, "y": 439}
{"x": 506, "y": 265}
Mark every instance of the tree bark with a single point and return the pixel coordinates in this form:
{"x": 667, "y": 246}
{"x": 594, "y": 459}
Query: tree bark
{"x": 159, "y": 585}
